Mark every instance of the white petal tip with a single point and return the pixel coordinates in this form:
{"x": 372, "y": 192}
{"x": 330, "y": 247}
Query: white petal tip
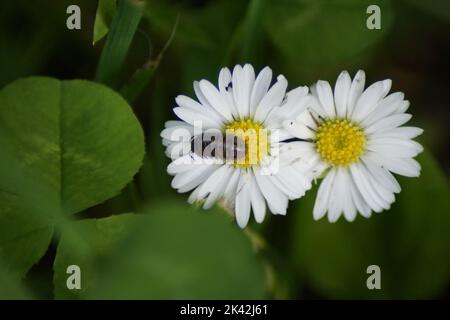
{"x": 318, "y": 215}
{"x": 344, "y": 74}
{"x": 241, "y": 224}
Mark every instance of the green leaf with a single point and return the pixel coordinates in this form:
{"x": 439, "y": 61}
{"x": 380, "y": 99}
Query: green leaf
{"x": 81, "y": 139}
{"x": 142, "y": 76}
{"x": 24, "y": 236}
{"x": 105, "y": 12}
{"x": 123, "y": 28}
{"x": 66, "y": 146}
{"x": 12, "y": 287}
{"x": 324, "y": 31}
{"x": 83, "y": 243}
{"x": 409, "y": 242}
{"x": 174, "y": 251}
{"x": 138, "y": 82}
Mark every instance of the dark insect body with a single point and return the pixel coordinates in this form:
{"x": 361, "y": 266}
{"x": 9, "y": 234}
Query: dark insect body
{"x": 219, "y": 146}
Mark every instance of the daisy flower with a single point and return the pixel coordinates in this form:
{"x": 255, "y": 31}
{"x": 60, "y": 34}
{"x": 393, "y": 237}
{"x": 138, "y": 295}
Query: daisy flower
{"x": 358, "y": 140}
{"x": 249, "y": 107}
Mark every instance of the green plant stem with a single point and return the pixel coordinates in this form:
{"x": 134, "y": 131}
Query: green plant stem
{"x": 251, "y": 34}
{"x": 123, "y": 28}
{"x": 137, "y": 83}
{"x": 141, "y": 78}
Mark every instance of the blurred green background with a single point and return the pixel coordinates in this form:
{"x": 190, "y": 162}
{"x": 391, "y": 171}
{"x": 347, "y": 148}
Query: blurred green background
{"x": 172, "y": 250}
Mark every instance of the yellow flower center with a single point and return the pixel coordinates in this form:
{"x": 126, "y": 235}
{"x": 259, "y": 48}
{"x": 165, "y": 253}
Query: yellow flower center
{"x": 340, "y": 142}
{"x": 256, "y": 139}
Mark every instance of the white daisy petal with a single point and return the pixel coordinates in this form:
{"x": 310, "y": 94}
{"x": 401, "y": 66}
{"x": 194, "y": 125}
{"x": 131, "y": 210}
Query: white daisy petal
{"x": 195, "y": 181}
{"x": 214, "y": 186}
{"x": 295, "y": 104}
{"x": 193, "y": 197}
{"x": 356, "y": 89}
{"x": 341, "y": 91}
{"x": 192, "y": 178}
{"x": 307, "y": 119}
{"x": 337, "y": 194}
{"x": 166, "y": 142}
{"x": 243, "y": 202}
{"x": 383, "y": 175}
{"x": 210, "y": 184}
{"x": 294, "y": 151}
{"x": 262, "y": 84}
{"x": 175, "y": 133}
{"x": 272, "y": 99}
{"x": 182, "y": 164}
{"x": 257, "y": 200}
{"x": 247, "y": 84}
{"x": 348, "y": 205}
{"x": 224, "y": 79}
{"x": 315, "y": 107}
{"x": 399, "y": 133}
{"x": 379, "y": 191}
{"x": 323, "y": 195}
{"x": 294, "y": 179}
{"x": 387, "y": 84}
{"x": 379, "y": 186}
{"x": 276, "y": 200}
{"x": 215, "y": 99}
{"x": 403, "y": 106}
{"x": 225, "y": 90}
{"x": 177, "y": 149}
{"x": 325, "y": 96}
{"x": 294, "y": 96}
{"x": 287, "y": 188}
{"x": 403, "y": 166}
{"x": 368, "y": 101}
{"x": 195, "y": 118}
{"x": 175, "y": 123}
{"x": 231, "y": 188}
{"x": 412, "y": 168}
{"x": 200, "y": 96}
{"x": 397, "y": 148}
{"x": 298, "y": 130}
{"x": 360, "y": 204}
{"x": 366, "y": 190}
{"x": 186, "y": 102}
{"x": 237, "y": 80}
{"x": 385, "y": 107}
{"x": 388, "y": 123}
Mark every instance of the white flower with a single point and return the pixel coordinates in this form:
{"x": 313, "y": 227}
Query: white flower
{"x": 268, "y": 176}
{"x": 358, "y": 139}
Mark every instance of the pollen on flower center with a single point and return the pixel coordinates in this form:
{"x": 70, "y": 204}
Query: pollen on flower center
{"x": 340, "y": 142}
{"x": 256, "y": 139}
